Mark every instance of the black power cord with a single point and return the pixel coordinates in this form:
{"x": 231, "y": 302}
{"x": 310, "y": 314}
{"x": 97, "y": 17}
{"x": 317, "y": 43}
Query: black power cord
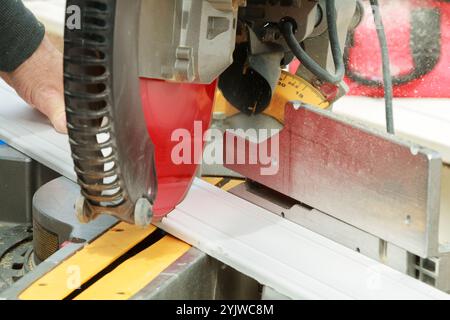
{"x": 287, "y": 28}
{"x": 387, "y": 77}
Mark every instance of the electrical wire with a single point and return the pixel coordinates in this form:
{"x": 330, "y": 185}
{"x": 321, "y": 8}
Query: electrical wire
{"x": 387, "y": 77}
{"x": 287, "y": 30}
{"x": 287, "y": 27}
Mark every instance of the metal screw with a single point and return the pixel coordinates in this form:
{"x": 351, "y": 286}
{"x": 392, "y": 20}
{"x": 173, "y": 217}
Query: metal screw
{"x": 143, "y": 212}
{"x": 271, "y": 34}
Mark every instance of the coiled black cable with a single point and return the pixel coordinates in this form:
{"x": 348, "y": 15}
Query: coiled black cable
{"x": 287, "y": 30}
{"x": 387, "y": 77}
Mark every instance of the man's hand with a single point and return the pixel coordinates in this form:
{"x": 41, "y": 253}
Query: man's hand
{"x": 39, "y": 81}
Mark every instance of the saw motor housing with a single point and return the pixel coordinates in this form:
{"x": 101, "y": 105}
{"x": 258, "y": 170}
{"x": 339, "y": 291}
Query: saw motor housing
{"x": 238, "y": 41}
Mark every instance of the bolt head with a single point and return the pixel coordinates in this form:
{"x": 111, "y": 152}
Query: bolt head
{"x": 143, "y": 212}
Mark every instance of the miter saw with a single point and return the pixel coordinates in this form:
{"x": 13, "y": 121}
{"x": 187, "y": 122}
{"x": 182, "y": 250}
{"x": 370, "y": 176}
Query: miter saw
{"x": 135, "y": 71}
{"x": 141, "y": 75}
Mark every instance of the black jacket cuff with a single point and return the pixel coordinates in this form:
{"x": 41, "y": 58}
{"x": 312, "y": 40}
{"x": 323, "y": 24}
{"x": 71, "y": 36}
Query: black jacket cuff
{"x": 20, "y": 34}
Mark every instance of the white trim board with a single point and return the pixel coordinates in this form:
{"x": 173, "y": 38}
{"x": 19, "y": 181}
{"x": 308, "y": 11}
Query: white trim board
{"x": 31, "y": 133}
{"x": 424, "y": 121}
{"x": 50, "y": 12}
{"x": 288, "y": 258}
{"x": 296, "y": 262}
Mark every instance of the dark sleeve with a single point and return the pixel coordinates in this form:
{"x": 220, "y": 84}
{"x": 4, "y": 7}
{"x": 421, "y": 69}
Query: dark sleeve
{"x": 20, "y": 34}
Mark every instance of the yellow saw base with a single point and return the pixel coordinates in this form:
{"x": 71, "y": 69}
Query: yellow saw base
{"x": 69, "y": 279}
